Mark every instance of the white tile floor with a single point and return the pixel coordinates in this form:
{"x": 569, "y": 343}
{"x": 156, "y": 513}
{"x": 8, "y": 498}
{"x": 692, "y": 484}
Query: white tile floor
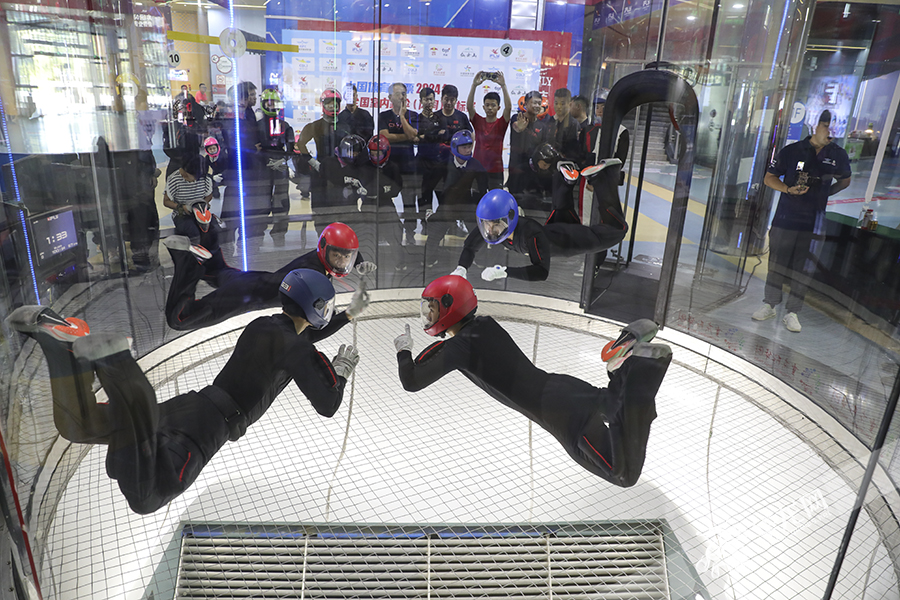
{"x": 759, "y": 513}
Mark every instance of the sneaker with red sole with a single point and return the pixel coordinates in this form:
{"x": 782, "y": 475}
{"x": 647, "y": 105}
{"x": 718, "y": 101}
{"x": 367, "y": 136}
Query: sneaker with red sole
{"x": 30, "y": 318}
{"x": 615, "y": 352}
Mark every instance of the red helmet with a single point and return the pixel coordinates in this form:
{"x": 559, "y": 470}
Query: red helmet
{"x": 327, "y": 96}
{"x": 337, "y": 249}
{"x": 379, "y": 144}
{"x": 202, "y": 214}
{"x": 445, "y": 302}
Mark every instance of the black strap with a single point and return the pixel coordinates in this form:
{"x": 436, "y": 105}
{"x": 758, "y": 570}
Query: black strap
{"x": 225, "y": 404}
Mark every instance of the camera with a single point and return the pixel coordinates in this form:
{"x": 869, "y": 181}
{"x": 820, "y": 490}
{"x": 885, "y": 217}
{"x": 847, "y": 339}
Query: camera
{"x": 492, "y": 75}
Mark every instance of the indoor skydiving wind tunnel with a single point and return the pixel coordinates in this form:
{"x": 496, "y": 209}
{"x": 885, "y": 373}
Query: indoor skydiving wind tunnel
{"x": 233, "y": 235}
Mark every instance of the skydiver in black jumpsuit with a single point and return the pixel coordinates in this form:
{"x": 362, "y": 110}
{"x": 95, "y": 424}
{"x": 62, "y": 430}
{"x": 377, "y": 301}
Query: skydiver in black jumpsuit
{"x": 605, "y": 430}
{"x": 238, "y": 292}
{"x": 156, "y": 451}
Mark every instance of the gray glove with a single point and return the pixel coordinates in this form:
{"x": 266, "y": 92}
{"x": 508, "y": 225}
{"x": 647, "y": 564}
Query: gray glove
{"x": 345, "y": 361}
{"x": 314, "y": 164}
{"x": 358, "y": 302}
{"x": 403, "y": 341}
{"x": 461, "y": 271}
{"x": 277, "y": 164}
{"x": 366, "y": 267}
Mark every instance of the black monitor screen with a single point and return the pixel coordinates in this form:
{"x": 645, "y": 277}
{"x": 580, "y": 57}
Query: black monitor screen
{"x": 53, "y": 233}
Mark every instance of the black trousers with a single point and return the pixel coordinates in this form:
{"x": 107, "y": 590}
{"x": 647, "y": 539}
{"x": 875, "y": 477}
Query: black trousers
{"x": 792, "y": 259}
{"x": 237, "y": 292}
{"x": 615, "y": 451}
{"x": 155, "y": 451}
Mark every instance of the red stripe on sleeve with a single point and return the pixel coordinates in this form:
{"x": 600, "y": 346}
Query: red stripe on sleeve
{"x": 330, "y": 370}
{"x": 427, "y": 350}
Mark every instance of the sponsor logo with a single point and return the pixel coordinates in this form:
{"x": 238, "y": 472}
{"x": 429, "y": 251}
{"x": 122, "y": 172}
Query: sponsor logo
{"x": 304, "y": 64}
{"x": 329, "y": 47}
{"x": 285, "y": 286}
{"x": 466, "y": 71}
{"x": 387, "y": 67}
{"x": 439, "y": 51}
{"x": 468, "y": 52}
{"x": 388, "y": 49}
{"x": 305, "y": 45}
{"x": 357, "y": 48}
{"x": 494, "y": 54}
{"x": 438, "y": 69}
{"x": 523, "y": 56}
{"x": 330, "y": 64}
{"x": 412, "y": 51}
{"x": 411, "y": 68}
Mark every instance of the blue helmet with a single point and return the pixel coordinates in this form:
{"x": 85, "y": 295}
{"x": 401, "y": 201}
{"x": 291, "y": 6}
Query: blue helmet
{"x": 498, "y": 213}
{"x": 311, "y": 291}
{"x": 462, "y": 138}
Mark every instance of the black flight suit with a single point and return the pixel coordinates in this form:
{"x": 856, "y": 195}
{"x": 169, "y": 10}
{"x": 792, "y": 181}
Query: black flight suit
{"x": 571, "y": 410}
{"x": 156, "y": 451}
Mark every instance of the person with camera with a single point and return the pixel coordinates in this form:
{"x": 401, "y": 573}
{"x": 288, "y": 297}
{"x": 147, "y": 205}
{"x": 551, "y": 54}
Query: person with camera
{"x": 491, "y": 128}
{"x": 803, "y": 172}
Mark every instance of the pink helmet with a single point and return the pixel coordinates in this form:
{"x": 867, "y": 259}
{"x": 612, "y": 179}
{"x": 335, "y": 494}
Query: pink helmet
{"x": 211, "y": 146}
{"x": 328, "y": 96}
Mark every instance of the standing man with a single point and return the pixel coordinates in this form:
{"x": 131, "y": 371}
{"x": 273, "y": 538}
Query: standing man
{"x": 562, "y": 130}
{"x": 201, "y": 95}
{"x": 256, "y": 203}
{"x": 327, "y": 132}
{"x": 399, "y": 126}
{"x": 360, "y": 120}
{"x": 277, "y": 139}
{"x": 525, "y": 135}
{"x": 490, "y": 129}
{"x": 806, "y": 173}
{"x": 578, "y": 111}
{"x": 429, "y": 158}
{"x": 453, "y": 120}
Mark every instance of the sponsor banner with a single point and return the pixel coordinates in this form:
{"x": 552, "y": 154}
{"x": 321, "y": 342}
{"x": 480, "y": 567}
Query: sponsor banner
{"x": 328, "y": 59}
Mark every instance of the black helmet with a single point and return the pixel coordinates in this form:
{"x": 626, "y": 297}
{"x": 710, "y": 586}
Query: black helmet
{"x": 547, "y": 153}
{"x": 350, "y": 150}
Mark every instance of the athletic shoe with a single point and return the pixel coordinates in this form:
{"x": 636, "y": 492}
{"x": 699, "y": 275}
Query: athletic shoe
{"x": 791, "y": 322}
{"x": 589, "y": 172}
{"x": 616, "y": 351}
{"x": 178, "y": 242}
{"x": 764, "y": 313}
{"x": 645, "y": 350}
{"x": 201, "y": 253}
{"x": 100, "y": 345}
{"x": 29, "y": 319}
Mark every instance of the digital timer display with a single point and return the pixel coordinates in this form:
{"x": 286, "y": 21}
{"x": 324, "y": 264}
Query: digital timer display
{"x": 53, "y": 233}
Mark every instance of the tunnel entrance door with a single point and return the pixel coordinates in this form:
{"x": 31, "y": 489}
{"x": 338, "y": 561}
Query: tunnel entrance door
{"x": 636, "y": 279}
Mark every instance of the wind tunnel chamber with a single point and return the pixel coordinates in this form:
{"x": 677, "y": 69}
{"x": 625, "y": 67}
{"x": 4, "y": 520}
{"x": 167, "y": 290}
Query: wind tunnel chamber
{"x": 626, "y": 289}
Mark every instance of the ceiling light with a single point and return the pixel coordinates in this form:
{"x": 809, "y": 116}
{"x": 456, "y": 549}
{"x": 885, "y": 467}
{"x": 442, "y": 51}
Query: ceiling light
{"x": 691, "y": 18}
{"x": 738, "y": 6}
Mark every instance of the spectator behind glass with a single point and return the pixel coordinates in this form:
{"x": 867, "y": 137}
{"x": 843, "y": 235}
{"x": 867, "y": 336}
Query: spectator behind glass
{"x": 360, "y": 120}
{"x": 431, "y": 163}
{"x": 562, "y": 130}
{"x": 489, "y": 129}
{"x": 201, "y": 95}
{"x": 398, "y": 125}
{"x": 803, "y": 172}
{"x": 525, "y": 135}
{"x": 453, "y": 120}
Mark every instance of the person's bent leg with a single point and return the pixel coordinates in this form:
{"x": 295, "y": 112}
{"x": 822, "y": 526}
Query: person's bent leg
{"x": 183, "y": 311}
{"x": 616, "y": 451}
{"x": 77, "y": 415}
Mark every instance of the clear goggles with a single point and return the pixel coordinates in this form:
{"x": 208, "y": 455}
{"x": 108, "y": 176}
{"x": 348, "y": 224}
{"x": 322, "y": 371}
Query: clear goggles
{"x": 430, "y": 311}
{"x": 325, "y": 309}
{"x": 341, "y": 260}
{"x": 494, "y": 230}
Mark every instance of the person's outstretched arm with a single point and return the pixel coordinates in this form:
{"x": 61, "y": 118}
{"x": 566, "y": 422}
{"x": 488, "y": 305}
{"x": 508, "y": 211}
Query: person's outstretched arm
{"x": 539, "y": 252}
{"x": 434, "y": 362}
{"x": 507, "y": 103}
{"x": 470, "y": 100}
{"x": 474, "y": 242}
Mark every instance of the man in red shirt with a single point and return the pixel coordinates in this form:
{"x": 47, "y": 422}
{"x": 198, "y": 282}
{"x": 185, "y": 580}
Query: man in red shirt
{"x": 490, "y": 130}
